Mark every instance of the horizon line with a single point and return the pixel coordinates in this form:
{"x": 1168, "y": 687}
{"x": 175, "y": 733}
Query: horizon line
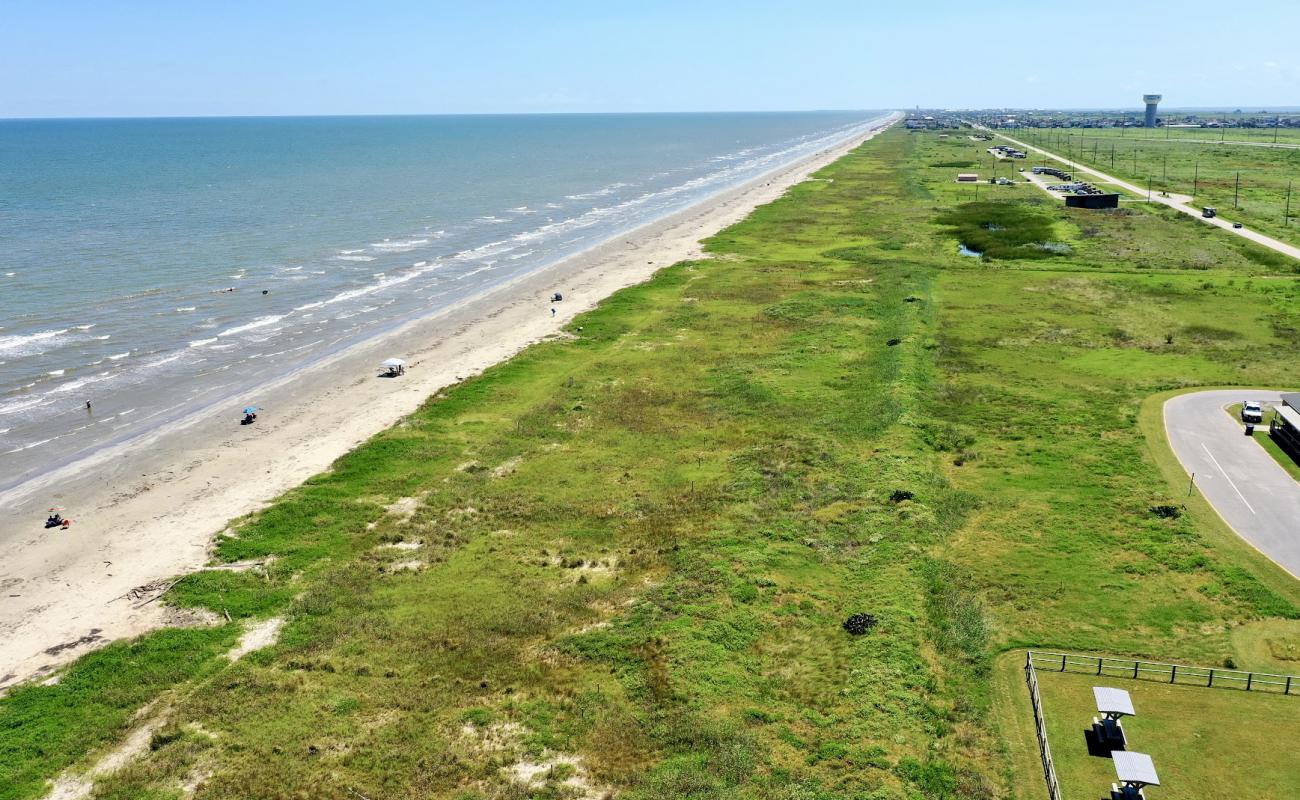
{"x": 1226, "y": 108}
{"x": 439, "y": 114}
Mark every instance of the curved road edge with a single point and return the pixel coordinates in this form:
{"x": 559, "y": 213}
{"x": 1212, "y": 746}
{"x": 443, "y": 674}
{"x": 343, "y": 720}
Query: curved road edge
{"x": 1250, "y": 491}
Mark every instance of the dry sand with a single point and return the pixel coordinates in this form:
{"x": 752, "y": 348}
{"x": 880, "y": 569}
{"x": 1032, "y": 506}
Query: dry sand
{"x": 149, "y": 510}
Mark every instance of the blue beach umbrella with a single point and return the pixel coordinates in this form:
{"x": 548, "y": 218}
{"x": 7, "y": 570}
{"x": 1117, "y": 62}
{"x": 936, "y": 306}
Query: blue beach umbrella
{"x": 251, "y": 410}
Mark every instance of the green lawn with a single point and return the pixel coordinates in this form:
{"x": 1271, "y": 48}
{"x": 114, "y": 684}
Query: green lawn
{"x": 1204, "y": 742}
{"x": 629, "y": 552}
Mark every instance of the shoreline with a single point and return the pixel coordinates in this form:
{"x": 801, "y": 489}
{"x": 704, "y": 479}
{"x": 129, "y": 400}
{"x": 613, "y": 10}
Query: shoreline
{"x": 149, "y": 510}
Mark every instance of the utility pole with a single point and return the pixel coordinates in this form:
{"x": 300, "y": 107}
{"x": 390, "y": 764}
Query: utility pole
{"x": 1286, "y": 217}
{"x": 1196, "y": 174}
{"x": 1237, "y": 190}
{"x": 1135, "y": 160}
{"x": 1164, "y": 174}
{"x": 1112, "y": 155}
{"x": 1148, "y": 188}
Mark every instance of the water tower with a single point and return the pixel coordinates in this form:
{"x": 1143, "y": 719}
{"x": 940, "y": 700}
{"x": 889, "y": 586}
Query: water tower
{"x": 1151, "y": 100}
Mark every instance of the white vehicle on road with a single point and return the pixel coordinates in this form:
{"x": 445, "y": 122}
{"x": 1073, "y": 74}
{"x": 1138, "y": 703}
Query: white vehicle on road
{"x": 1252, "y": 412}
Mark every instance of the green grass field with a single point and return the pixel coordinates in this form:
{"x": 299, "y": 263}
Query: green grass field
{"x": 626, "y": 554}
{"x": 1246, "y": 136}
{"x": 1199, "y": 739}
{"x": 1209, "y": 171}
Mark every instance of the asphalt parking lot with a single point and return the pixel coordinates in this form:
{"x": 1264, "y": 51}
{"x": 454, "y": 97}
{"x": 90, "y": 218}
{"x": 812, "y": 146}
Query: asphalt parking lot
{"x": 1245, "y": 485}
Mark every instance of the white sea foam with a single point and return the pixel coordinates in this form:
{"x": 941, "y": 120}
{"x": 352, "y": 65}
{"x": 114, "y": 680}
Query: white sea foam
{"x": 10, "y": 275}
{"x": 119, "y": 356}
{"x": 396, "y": 246}
{"x": 56, "y": 373}
{"x": 30, "y": 445}
{"x": 420, "y": 264}
{"x": 290, "y": 269}
{"x": 19, "y": 345}
{"x": 102, "y": 338}
{"x": 201, "y": 342}
{"x": 14, "y": 406}
{"x": 489, "y": 249}
{"x": 473, "y": 272}
{"x": 81, "y": 383}
{"x": 161, "y": 361}
{"x": 518, "y": 256}
{"x": 84, "y": 327}
{"x": 260, "y": 322}
{"x": 306, "y": 306}
{"x": 604, "y": 191}
{"x": 184, "y": 309}
{"x": 355, "y": 258}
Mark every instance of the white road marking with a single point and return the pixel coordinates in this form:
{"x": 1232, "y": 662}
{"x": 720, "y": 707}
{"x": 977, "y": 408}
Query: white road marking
{"x": 1225, "y": 475}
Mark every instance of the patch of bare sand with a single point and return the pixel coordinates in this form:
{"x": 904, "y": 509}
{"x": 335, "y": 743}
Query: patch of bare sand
{"x": 263, "y": 633}
{"x": 78, "y": 785}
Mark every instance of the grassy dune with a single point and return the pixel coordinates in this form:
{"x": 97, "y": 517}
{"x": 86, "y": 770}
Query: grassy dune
{"x": 619, "y": 563}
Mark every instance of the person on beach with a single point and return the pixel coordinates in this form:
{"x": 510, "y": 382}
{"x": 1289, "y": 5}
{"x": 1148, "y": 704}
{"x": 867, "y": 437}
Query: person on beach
{"x": 87, "y": 405}
{"x": 552, "y": 311}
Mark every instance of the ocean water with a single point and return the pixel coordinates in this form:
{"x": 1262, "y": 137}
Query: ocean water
{"x": 120, "y": 241}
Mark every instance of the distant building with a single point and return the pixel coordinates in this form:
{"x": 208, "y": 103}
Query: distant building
{"x": 1092, "y": 200}
{"x": 967, "y": 177}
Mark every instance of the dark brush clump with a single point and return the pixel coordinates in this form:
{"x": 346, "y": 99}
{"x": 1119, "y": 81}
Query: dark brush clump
{"x": 859, "y": 624}
{"x": 899, "y": 495}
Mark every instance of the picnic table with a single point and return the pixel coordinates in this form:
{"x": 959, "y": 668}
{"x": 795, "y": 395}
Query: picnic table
{"x": 1113, "y": 704}
{"x": 1135, "y": 771}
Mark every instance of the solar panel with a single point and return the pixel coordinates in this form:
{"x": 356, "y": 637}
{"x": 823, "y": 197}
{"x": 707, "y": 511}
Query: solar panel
{"x": 1113, "y": 701}
{"x": 1133, "y": 767}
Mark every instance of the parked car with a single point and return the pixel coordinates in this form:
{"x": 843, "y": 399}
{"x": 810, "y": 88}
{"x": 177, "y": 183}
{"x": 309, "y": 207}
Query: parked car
{"x": 1236, "y": 224}
{"x": 1252, "y": 412}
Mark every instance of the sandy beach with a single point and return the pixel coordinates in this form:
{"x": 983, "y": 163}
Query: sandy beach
{"x": 147, "y": 511}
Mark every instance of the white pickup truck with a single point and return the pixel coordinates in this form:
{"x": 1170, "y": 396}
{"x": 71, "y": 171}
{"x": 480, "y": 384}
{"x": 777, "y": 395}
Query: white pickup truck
{"x": 1252, "y": 412}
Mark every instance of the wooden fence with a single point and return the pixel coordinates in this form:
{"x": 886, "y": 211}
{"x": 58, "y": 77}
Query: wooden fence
{"x": 1133, "y": 669}
{"x": 1040, "y": 727}
{"x": 1181, "y": 674}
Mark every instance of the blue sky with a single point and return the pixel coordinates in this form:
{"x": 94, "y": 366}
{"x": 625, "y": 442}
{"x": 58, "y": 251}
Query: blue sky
{"x": 177, "y": 57}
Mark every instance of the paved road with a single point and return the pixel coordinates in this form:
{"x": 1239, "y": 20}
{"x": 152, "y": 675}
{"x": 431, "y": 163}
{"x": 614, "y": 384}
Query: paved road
{"x": 1178, "y": 202}
{"x": 1245, "y": 485}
